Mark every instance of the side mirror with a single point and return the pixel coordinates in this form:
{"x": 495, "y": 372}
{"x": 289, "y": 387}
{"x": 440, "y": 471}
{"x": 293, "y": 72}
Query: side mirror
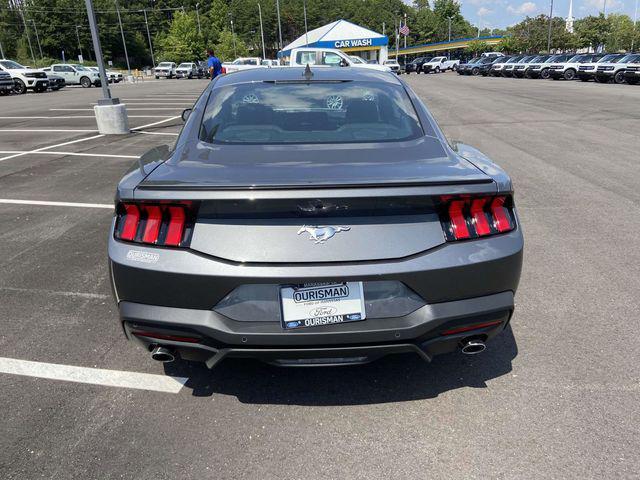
{"x": 186, "y": 113}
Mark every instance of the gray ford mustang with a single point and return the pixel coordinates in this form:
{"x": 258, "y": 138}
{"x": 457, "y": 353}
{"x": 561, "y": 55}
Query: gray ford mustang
{"x": 313, "y": 217}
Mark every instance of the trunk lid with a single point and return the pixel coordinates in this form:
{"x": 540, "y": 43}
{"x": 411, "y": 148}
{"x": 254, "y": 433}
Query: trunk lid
{"x": 418, "y": 162}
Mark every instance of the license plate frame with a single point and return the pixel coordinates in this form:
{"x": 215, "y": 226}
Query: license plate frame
{"x": 321, "y": 304}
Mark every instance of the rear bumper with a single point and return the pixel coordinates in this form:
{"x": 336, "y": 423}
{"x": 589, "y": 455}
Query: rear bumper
{"x": 359, "y": 342}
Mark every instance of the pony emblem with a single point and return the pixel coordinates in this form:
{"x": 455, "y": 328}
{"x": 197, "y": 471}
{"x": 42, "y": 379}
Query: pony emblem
{"x": 320, "y": 234}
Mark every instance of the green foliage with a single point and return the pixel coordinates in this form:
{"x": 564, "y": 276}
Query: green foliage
{"x": 183, "y": 43}
{"x": 476, "y": 47}
{"x": 511, "y": 44}
{"x": 225, "y": 49}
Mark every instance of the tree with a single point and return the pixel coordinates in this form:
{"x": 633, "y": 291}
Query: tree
{"x": 225, "y": 49}
{"x": 183, "y": 43}
{"x": 620, "y": 33}
{"x": 592, "y": 31}
{"x": 511, "y": 44}
{"x": 476, "y": 47}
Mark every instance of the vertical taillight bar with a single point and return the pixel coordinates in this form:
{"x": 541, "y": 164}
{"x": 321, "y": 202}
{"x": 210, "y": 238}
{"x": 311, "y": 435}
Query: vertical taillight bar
{"x": 131, "y": 220}
{"x": 175, "y": 230}
{"x": 469, "y": 216}
{"x": 155, "y": 224}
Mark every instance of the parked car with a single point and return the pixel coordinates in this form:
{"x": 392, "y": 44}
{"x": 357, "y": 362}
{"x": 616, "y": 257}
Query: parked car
{"x": 393, "y": 65}
{"x": 632, "y": 72}
{"x": 614, "y": 71}
{"x": 441, "y": 64}
{"x": 588, "y": 71}
{"x": 255, "y": 264}
{"x": 6, "y": 83}
{"x": 520, "y": 68}
{"x": 188, "y": 70}
{"x": 471, "y": 67}
{"x": 328, "y": 57}
{"x": 243, "y": 63}
{"x": 498, "y": 65}
{"x": 74, "y": 74}
{"x": 507, "y": 70}
{"x": 484, "y": 65}
{"x": 56, "y": 82}
{"x": 25, "y": 78}
{"x": 415, "y": 66}
{"x": 113, "y": 77}
{"x": 568, "y": 69}
{"x": 165, "y": 70}
{"x": 267, "y": 62}
{"x": 538, "y": 68}
{"x": 357, "y": 59}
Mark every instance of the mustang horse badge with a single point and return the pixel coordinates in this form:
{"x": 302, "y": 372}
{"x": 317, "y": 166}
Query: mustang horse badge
{"x": 320, "y": 234}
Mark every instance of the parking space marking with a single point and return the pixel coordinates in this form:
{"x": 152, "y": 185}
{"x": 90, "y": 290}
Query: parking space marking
{"x": 52, "y": 146}
{"x": 77, "y": 154}
{"x": 155, "y": 123}
{"x": 55, "y": 204}
{"x": 69, "y": 116}
{"x": 41, "y": 130}
{"x": 91, "y": 109}
{"x": 97, "y": 296}
{"x": 152, "y": 103}
{"x": 93, "y": 376}
{"x": 158, "y": 133}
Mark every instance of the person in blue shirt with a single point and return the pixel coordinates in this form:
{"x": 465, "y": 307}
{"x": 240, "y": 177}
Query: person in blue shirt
{"x": 214, "y": 65}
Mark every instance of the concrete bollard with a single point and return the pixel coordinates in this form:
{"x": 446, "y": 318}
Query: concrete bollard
{"x": 112, "y": 119}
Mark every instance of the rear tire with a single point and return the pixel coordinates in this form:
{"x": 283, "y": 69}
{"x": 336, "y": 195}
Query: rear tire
{"x": 85, "y": 82}
{"x": 19, "y": 87}
{"x": 618, "y": 77}
{"x": 475, "y": 71}
{"x": 569, "y": 74}
{"x": 544, "y": 74}
{"x": 157, "y": 77}
{"x": 437, "y": 70}
{"x": 40, "y": 89}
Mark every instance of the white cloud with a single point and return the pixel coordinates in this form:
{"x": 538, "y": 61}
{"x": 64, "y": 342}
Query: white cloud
{"x": 483, "y": 11}
{"x": 599, "y": 4}
{"x": 526, "y": 8}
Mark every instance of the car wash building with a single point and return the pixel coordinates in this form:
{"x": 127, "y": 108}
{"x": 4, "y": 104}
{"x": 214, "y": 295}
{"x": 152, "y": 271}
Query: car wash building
{"x": 346, "y": 36}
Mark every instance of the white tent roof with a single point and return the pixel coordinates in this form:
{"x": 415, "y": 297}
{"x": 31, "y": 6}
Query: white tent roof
{"x": 338, "y": 30}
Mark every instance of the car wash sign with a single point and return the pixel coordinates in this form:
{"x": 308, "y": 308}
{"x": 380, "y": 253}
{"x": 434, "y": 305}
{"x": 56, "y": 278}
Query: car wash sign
{"x": 357, "y": 42}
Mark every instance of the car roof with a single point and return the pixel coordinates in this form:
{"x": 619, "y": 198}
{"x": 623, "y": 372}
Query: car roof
{"x": 284, "y": 74}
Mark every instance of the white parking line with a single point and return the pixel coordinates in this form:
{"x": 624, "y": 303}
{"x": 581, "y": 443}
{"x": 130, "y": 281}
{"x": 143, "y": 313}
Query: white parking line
{"x": 51, "y": 146}
{"x": 55, "y": 204}
{"x": 57, "y": 117}
{"x": 38, "y": 130}
{"x": 155, "y": 123}
{"x": 76, "y": 154}
{"x": 136, "y": 104}
{"x": 158, "y": 133}
{"x": 93, "y": 376}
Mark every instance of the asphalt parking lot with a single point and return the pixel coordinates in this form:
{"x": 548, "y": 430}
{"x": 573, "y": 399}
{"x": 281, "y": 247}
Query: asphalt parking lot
{"x": 555, "y": 396}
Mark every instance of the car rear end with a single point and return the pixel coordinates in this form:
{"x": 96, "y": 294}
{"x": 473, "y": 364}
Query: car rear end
{"x": 6, "y": 83}
{"x": 632, "y": 71}
{"x": 301, "y": 254}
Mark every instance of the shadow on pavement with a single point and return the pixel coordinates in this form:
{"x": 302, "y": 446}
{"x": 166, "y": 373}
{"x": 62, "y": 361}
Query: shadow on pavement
{"x": 391, "y": 379}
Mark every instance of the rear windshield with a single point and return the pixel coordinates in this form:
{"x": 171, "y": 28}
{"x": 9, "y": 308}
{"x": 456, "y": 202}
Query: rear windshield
{"x": 315, "y": 112}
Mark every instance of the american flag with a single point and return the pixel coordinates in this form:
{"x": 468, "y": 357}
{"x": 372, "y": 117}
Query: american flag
{"x": 404, "y": 30}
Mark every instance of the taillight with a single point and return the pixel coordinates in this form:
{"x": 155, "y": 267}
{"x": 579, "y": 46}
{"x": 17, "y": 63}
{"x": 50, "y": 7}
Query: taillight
{"x": 466, "y": 217}
{"x": 169, "y": 224}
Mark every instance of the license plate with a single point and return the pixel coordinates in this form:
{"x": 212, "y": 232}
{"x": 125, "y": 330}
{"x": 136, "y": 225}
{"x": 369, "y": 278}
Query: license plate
{"x": 314, "y": 305}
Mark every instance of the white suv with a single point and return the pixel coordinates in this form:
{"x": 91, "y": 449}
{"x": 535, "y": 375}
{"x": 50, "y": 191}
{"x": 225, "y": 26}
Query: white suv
{"x": 25, "y": 78}
{"x": 587, "y": 71}
{"x": 165, "y": 69}
{"x": 76, "y": 74}
{"x": 614, "y": 70}
{"x": 568, "y": 70}
{"x": 632, "y": 72}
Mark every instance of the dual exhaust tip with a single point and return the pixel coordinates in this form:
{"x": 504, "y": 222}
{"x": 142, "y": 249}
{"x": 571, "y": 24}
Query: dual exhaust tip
{"x": 473, "y": 346}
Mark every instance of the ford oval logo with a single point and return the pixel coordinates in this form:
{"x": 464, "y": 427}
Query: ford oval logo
{"x": 322, "y": 312}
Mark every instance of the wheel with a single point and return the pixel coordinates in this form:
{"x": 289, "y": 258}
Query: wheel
{"x": 40, "y": 89}
{"x": 85, "y": 82}
{"x": 569, "y": 74}
{"x": 527, "y": 74}
{"x": 475, "y": 71}
{"x": 544, "y": 74}
{"x": 619, "y": 77}
{"x": 632, "y": 81}
{"x": 19, "y": 87}
{"x": 437, "y": 70}
{"x": 157, "y": 77}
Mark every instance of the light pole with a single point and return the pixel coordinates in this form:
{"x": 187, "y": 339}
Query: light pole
{"x": 550, "y": 24}
{"x": 635, "y": 21}
{"x": 198, "y": 17}
{"x": 95, "y": 36}
{"x": 146, "y": 22}
{"x": 279, "y": 24}
{"x": 26, "y": 31}
{"x": 264, "y": 53}
{"x": 604, "y": 8}
{"x": 79, "y": 44}
{"x": 1, "y": 51}
{"x": 306, "y": 30}
{"x": 37, "y": 37}
{"x": 449, "y": 49}
{"x": 124, "y": 43}
{"x": 233, "y": 35}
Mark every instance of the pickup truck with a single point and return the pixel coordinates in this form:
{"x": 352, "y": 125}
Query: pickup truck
{"x": 243, "y": 63}
{"x": 328, "y": 57}
{"x": 75, "y": 74}
{"x": 440, "y": 64}
{"x": 165, "y": 69}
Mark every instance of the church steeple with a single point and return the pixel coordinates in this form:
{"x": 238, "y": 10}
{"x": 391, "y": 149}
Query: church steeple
{"x": 569, "y": 21}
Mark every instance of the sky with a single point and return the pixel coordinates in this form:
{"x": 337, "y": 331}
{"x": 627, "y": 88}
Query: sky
{"x": 503, "y": 13}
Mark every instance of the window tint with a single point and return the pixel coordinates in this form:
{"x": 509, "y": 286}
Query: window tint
{"x": 330, "y": 58}
{"x": 316, "y": 112}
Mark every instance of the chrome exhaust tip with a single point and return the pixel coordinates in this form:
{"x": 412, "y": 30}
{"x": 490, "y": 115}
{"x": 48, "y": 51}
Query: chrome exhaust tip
{"x": 163, "y": 354}
{"x": 472, "y": 347}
